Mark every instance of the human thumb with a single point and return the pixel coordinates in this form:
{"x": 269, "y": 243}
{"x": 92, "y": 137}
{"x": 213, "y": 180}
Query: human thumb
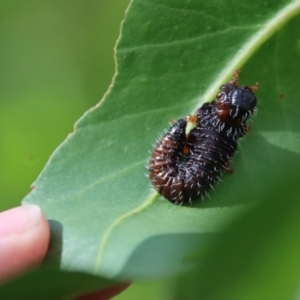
{"x": 24, "y": 238}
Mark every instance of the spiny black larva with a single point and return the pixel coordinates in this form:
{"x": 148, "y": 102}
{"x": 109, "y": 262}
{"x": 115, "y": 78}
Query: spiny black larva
{"x": 186, "y": 166}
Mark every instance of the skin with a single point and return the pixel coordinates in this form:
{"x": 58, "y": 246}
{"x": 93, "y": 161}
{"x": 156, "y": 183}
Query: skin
{"x": 24, "y": 239}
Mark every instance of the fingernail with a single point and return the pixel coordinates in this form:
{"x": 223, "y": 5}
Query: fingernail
{"x": 20, "y": 219}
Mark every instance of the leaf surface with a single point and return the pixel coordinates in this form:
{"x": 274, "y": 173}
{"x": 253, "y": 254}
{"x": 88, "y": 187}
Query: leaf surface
{"x": 170, "y": 58}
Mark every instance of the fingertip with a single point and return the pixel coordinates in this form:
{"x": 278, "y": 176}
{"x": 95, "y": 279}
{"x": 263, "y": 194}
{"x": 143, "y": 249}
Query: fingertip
{"x": 24, "y": 238}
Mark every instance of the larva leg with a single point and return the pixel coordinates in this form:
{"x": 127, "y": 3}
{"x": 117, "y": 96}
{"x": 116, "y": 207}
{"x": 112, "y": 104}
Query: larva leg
{"x": 254, "y": 87}
{"x": 235, "y": 78}
{"x": 192, "y": 119}
{"x": 171, "y": 122}
{"x": 228, "y": 169}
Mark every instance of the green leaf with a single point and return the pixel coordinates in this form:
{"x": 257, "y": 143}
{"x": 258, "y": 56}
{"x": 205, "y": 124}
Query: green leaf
{"x": 171, "y": 57}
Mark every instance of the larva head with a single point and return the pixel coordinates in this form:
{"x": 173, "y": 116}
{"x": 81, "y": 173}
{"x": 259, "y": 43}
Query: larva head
{"x": 236, "y": 104}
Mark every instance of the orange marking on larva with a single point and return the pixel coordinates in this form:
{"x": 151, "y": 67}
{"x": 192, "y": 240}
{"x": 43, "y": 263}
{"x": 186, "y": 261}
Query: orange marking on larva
{"x": 223, "y": 110}
{"x": 192, "y": 119}
{"x": 186, "y": 150}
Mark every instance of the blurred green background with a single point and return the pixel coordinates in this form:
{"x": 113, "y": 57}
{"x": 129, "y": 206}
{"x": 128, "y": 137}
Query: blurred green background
{"x": 56, "y": 62}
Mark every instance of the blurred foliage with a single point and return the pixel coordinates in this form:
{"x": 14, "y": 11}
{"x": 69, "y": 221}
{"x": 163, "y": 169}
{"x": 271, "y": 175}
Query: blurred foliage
{"x": 56, "y": 62}
{"x": 67, "y": 285}
{"x": 257, "y": 257}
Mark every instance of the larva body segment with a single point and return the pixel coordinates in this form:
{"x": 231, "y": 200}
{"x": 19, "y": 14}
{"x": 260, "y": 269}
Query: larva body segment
{"x": 165, "y": 162}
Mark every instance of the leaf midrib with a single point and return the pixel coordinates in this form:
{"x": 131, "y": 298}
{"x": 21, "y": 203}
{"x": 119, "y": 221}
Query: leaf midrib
{"x": 254, "y": 42}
